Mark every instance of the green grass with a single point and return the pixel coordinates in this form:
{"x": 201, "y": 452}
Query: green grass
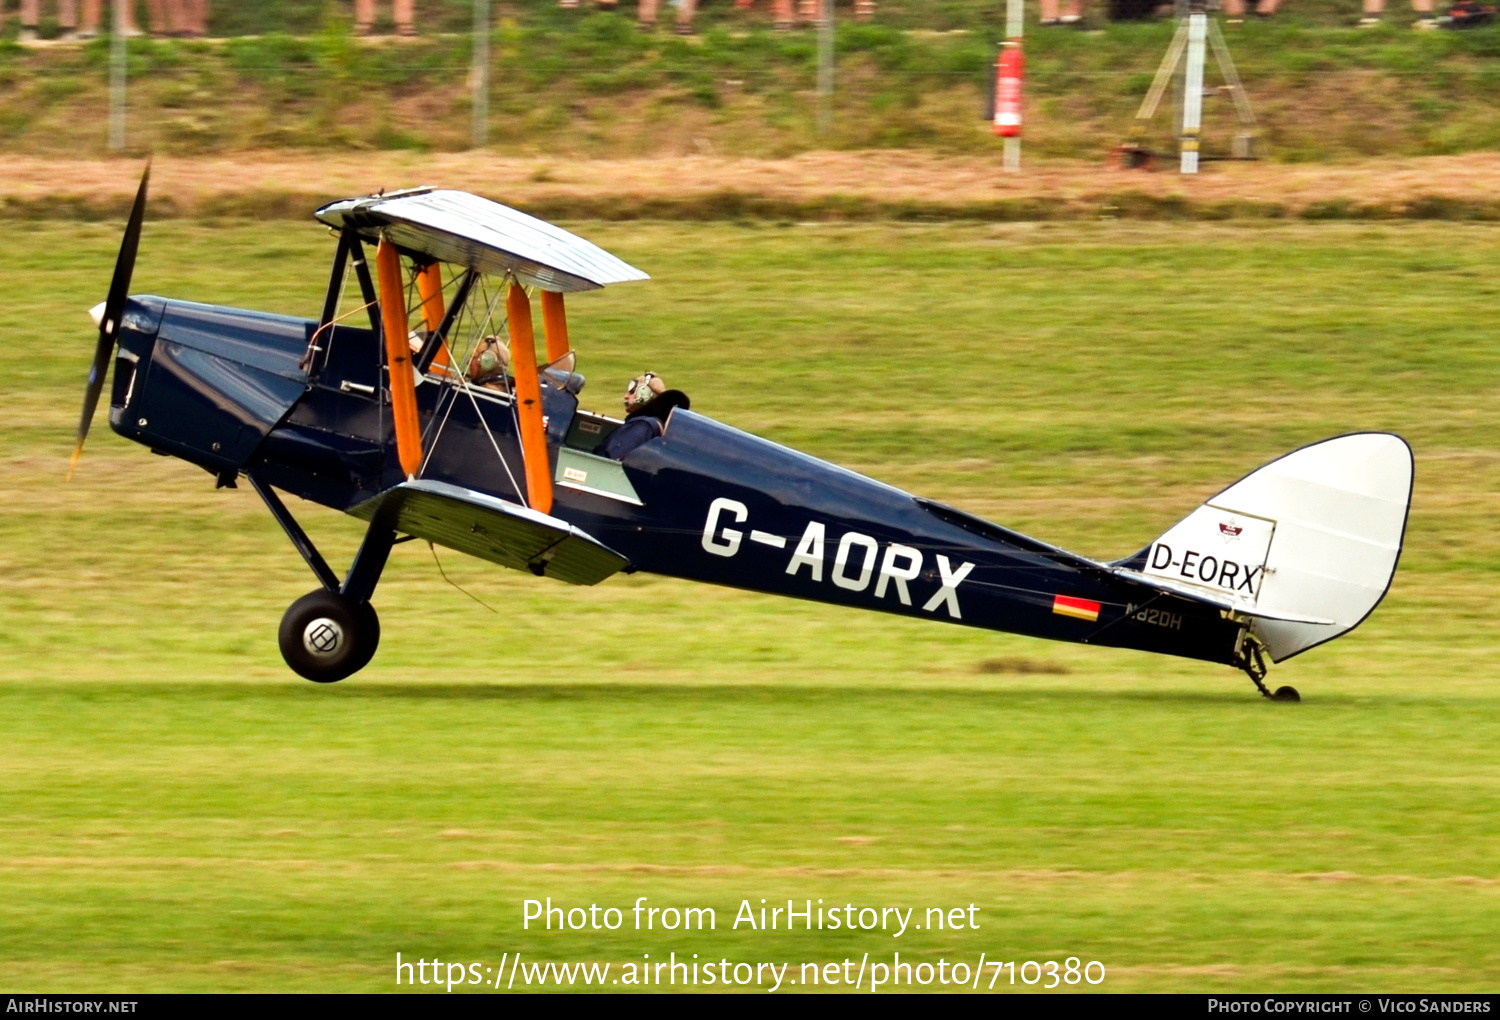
{"x": 178, "y": 811}
{"x": 588, "y": 83}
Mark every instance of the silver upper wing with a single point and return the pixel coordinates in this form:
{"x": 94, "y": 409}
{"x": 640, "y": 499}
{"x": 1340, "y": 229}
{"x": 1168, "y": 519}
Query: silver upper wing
{"x": 466, "y": 230}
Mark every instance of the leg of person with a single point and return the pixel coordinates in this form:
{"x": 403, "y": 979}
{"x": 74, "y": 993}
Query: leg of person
{"x": 807, "y": 10}
{"x": 1372, "y": 9}
{"x": 645, "y": 16}
{"x": 127, "y": 15}
{"x": 364, "y": 17}
{"x": 781, "y": 12}
{"x": 31, "y": 17}
{"x": 1425, "y": 18}
{"x": 1266, "y": 8}
{"x": 182, "y": 16}
{"x": 1234, "y": 11}
{"x": 864, "y": 10}
{"x": 685, "y": 11}
{"x": 1074, "y": 16}
{"x": 67, "y": 17}
{"x": 406, "y": 16}
{"x": 161, "y": 19}
{"x": 177, "y": 21}
{"x": 1049, "y": 12}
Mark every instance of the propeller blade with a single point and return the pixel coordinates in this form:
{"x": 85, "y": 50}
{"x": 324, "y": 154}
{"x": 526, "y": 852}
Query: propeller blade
{"x": 109, "y": 323}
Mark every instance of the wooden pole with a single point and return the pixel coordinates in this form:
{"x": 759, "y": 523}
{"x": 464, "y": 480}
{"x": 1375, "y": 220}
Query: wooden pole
{"x": 117, "y": 79}
{"x": 825, "y": 67}
{"x": 481, "y": 74}
{"x": 1015, "y": 22}
{"x": 1192, "y": 90}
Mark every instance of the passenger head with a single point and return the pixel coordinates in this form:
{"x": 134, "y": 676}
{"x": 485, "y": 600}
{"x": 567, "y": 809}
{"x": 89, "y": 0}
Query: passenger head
{"x": 642, "y": 390}
{"x": 491, "y": 360}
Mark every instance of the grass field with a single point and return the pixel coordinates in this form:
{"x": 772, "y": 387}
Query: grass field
{"x": 178, "y": 811}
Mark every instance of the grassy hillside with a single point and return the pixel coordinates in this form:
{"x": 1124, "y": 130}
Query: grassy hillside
{"x": 181, "y": 812}
{"x": 589, "y": 84}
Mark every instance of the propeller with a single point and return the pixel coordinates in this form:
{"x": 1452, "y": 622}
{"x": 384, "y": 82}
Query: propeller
{"x": 109, "y": 322}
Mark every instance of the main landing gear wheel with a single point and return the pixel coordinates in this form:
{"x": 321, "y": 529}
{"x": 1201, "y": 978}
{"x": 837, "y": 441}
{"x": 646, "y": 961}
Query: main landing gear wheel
{"x": 1286, "y": 694}
{"x": 326, "y": 637}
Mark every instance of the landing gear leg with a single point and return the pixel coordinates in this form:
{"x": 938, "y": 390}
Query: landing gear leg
{"x": 1251, "y": 657}
{"x": 333, "y": 632}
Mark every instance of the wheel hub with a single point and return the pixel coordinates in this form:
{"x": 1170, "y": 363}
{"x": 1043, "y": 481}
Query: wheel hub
{"x": 323, "y": 637}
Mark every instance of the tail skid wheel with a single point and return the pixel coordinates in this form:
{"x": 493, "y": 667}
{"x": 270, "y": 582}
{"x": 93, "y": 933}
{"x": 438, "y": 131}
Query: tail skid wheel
{"x": 326, "y": 637}
{"x": 1252, "y": 659}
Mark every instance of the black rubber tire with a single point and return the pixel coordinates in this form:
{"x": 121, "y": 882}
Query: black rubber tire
{"x": 1286, "y": 694}
{"x": 323, "y": 637}
{"x": 369, "y": 636}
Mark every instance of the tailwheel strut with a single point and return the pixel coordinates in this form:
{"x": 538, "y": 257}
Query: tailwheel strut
{"x": 1251, "y": 657}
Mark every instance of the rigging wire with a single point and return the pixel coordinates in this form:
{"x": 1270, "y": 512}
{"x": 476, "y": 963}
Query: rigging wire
{"x": 461, "y": 383}
{"x": 455, "y": 584}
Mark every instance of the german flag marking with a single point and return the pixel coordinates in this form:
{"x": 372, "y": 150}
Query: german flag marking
{"x": 1081, "y": 609}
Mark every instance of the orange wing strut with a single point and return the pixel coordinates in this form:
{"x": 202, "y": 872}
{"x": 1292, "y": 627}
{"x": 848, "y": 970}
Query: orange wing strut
{"x": 398, "y": 359}
{"x": 430, "y": 287}
{"x": 555, "y": 318}
{"x": 528, "y": 399}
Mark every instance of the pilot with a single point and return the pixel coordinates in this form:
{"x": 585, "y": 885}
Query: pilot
{"x": 490, "y": 364}
{"x": 648, "y": 402}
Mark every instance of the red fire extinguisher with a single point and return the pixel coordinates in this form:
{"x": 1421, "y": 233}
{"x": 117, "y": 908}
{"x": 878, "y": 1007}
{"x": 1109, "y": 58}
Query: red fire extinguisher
{"x": 1010, "y": 70}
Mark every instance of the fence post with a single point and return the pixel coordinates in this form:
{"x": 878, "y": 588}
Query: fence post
{"x": 117, "y": 79}
{"x": 481, "y": 73}
{"x": 825, "y": 67}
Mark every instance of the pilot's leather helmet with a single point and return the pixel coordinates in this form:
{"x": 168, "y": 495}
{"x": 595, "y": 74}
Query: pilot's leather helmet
{"x": 642, "y": 390}
{"x": 491, "y": 360}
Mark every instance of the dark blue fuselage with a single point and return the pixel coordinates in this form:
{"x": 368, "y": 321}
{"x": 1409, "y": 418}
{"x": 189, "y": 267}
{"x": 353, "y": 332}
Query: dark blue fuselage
{"x": 238, "y": 392}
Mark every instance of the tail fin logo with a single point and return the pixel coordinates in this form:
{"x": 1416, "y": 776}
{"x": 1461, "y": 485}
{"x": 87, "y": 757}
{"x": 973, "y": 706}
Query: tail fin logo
{"x": 1230, "y": 530}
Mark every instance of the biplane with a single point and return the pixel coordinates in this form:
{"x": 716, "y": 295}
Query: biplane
{"x": 370, "y": 410}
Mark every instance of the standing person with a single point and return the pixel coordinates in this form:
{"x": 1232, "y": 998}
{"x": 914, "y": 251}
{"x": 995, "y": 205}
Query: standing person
{"x": 781, "y": 11}
{"x": 402, "y": 12}
{"x": 165, "y": 17}
{"x": 1072, "y": 18}
{"x": 1375, "y": 8}
{"x": 807, "y": 10}
{"x": 646, "y": 15}
{"x": 31, "y": 18}
{"x": 1234, "y": 10}
{"x": 186, "y": 18}
{"x": 92, "y": 14}
{"x": 194, "y": 18}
